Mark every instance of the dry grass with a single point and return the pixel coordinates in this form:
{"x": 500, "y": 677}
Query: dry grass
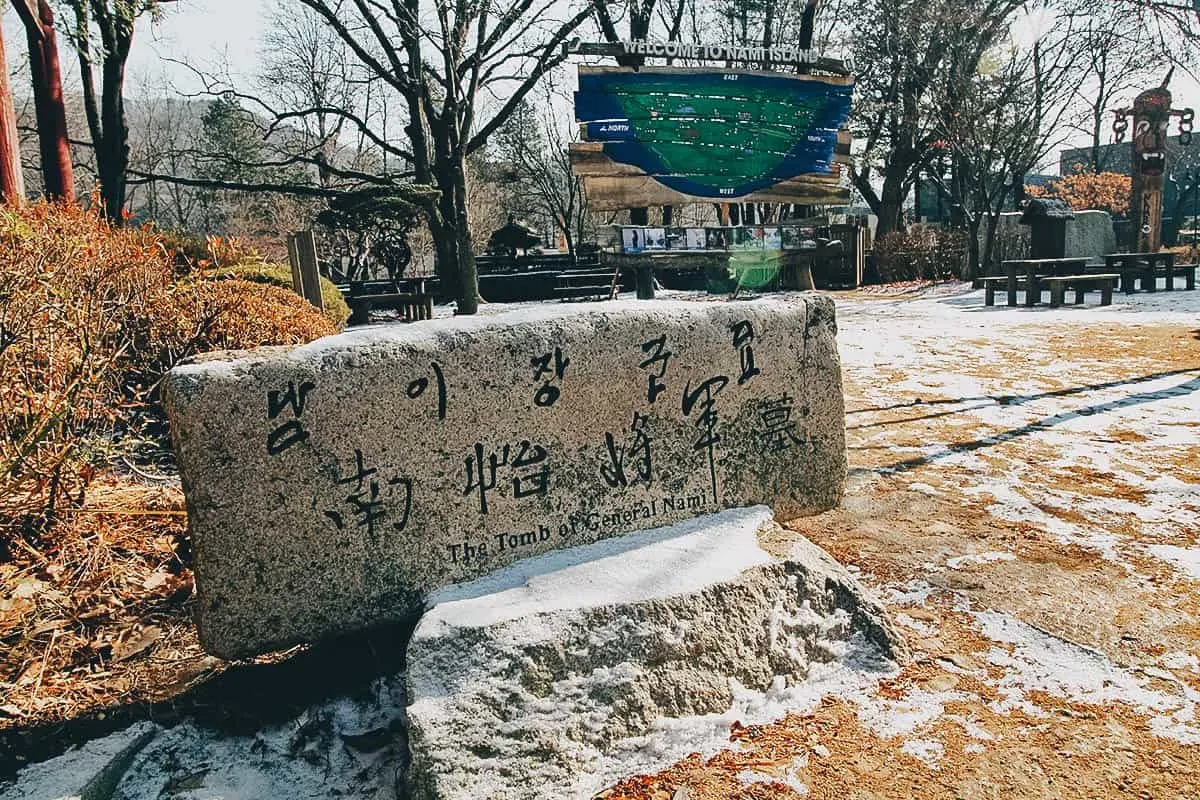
{"x": 91, "y": 318}
{"x": 94, "y": 567}
{"x": 96, "y": 615}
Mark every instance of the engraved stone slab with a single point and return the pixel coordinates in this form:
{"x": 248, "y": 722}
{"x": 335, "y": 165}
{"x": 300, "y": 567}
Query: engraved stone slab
{"x": 334, "y": 484}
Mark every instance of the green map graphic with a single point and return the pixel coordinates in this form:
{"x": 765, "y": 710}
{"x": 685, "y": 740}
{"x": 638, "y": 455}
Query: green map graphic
{"x": 714, "y": 134}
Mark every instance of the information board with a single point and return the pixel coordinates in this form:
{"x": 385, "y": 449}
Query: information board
{"x": 711, "y": 133}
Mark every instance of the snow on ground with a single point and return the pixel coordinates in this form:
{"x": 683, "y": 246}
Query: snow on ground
{"x": 956, "y": 356}
{"x": 1091, "y": 443}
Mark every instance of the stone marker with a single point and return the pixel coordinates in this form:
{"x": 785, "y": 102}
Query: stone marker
{"x": 521, "y": 683}
{"x": 334, "y": 484}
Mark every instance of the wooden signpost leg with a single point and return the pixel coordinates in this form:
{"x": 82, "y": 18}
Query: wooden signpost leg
{"x": 645, "y": 282}
{"x": 306, "y": 252}
{"x": 294, "y": 261}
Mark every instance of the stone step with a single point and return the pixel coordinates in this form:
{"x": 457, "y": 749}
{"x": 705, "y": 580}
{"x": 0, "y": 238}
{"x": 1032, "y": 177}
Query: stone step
{"x": 519, "y": 683}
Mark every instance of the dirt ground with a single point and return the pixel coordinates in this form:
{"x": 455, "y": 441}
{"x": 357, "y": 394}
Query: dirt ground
{"x": 1024, "y": 494}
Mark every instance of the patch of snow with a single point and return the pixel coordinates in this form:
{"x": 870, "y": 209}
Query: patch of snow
{"x": 854, "y": 676}
{"x": 928, "y": 750}
{"x": 990, "y": 557}
{"x": 922, "y": 628}
{"x": 913, "y": 593}
{"x": 344, "y": 747}
{"x": 916, "y": 711}
{"x": 972, "y": 728}
{"x": 63, "y": 777}
{"x": 585, "y": 576}
{"x": 749, "y": 776}
{"x": 1181, "y": 660}
{"x": 1038, "y": 661}
{"x": 1188, "y": 561}
{"x": 1012, "y": 506}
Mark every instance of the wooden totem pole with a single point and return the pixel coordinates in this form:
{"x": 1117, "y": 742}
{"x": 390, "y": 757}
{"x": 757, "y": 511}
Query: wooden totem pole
{"x": 1151, "y": 114}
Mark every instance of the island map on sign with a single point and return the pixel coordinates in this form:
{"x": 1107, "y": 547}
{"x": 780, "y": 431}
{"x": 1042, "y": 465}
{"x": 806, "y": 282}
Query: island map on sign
{"x": 713, "y": 133}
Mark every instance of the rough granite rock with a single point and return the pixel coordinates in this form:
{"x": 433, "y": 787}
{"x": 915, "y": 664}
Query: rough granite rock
{"x": 89, "y": 772}
{"x": 349, "y": 747}
{"x": 333, "y": 485}
{"x": 520, "y": 681}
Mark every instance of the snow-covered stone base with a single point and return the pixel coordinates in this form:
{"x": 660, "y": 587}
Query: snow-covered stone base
{"x": 520, "y": 682}
{"x": 348, "y": 747}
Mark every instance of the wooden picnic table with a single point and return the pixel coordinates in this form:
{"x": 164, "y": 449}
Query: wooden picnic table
{"x": 1141, "y": 266}
{"x": 1035, "y": 268}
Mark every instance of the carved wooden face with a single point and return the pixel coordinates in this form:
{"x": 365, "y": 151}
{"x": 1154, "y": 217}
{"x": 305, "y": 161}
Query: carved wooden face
{"x": 1152, "y": 115}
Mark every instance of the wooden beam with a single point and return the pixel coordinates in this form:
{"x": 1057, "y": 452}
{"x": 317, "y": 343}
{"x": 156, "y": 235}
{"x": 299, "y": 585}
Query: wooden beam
{"x": 615, "y": 49}
{"x": 616, "y": 193}
{"x": 589, "y": 161}
{"x": 832, "y": 80}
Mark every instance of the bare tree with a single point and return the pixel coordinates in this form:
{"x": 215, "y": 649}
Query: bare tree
{"x": 995, "y": 125}
{"x": 532, "y": 147}
{"x": 904, "y": 51}
{"x": 58, "y": 178}
{"x": 12, "y": 181}
{"x": 306, "y": 65}
{"x": 460, "y": 69}
{"x": 162, "y": 135}
{"x": 1116, "y": 53}
{"x": 109, "y": 43}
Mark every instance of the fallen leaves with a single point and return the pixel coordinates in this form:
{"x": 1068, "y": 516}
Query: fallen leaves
{"x": 97, "y": 614}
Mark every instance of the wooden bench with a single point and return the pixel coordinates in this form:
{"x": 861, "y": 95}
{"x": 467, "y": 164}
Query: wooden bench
{"x": 1058, "y": 287}
{"x": 412, "y": 306}
{"x": 990, "y": 284}
{"x": 1188, "y": 271}
{"x": 586, "y": 285}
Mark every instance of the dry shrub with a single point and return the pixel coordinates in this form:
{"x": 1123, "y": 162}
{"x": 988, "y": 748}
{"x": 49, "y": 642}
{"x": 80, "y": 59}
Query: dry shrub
{"x": 923, "y": 252}
{"x": 91, "y": 318}
{"x": 247, "y": 314}
{"x": 280, "y": 275}
{"x": 1083, "y": 191}
{"x": 224, "y": 251}
{"x": 68, "y": 288}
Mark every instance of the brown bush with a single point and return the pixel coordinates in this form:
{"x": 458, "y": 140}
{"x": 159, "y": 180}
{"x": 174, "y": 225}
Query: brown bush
{"x": 1083, "y": 191}
{"x": 91, "y": 318}
{"x": 922, "y": 252}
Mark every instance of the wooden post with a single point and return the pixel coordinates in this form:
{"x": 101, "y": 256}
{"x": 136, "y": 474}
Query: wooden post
{"x": 645, "y": 281}
{"x": 310, "y": 276}
{"x": 294, "y": 261}
{"x": 12, "y": 180}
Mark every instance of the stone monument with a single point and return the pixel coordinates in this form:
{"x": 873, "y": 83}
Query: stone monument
{"x": 333, "y": 485}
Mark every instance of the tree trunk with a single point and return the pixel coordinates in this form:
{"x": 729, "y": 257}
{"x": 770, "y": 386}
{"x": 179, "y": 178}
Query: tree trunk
{"x": 55, "y": 147}
{"x": 12, "y": 181}
{"x": 972, "y": 248}
{"x": 989, "y": 246}
{"x": 452, "y": 236}
{"x": 891, "y": 205}
{"x": 112, "y": 151}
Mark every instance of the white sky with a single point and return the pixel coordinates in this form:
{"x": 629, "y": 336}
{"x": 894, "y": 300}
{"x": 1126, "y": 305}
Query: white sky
{"x": 209, "y": 33}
